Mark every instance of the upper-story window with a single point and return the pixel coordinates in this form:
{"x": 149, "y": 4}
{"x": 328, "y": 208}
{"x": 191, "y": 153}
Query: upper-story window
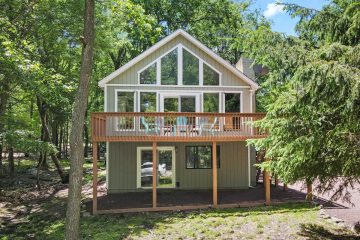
{"x": 148, "y": 76}
{"x": 190, "y": 69}
{"x": 180, "y": 67}
{"x": 211, "y": 77}
{"x": 169, "y": 68}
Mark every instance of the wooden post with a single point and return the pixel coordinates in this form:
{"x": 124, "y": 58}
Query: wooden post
{"x": 95, "y": 173}
{"x": 154, "y": 178}
{"x": 309, "y": 194}
{"x": 214, "y": 167}
{"x": 267, "y": 186}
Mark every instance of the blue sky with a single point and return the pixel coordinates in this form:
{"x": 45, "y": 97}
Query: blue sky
{"x": 281, "y": 21}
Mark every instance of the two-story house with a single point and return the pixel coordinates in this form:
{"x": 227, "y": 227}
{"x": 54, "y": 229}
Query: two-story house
{"x": 182, "y": 108}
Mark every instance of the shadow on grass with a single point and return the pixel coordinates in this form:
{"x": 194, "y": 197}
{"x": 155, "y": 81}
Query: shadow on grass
{"x": 314, "y": 231}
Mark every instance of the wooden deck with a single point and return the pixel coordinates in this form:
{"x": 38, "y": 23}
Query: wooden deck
{"x": 174, "y": 127}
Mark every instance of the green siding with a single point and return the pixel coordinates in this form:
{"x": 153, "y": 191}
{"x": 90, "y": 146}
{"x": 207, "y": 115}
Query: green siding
{"x": 233, "y": 172}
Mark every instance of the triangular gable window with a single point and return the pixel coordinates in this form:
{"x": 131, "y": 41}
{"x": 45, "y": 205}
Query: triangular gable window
{"x": 148, "y": 76}
{"x": 180, "y": 67}
{"x": 210, "y": 76}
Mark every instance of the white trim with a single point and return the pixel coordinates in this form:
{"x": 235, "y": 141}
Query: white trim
{"x": 249, "y": 156}
{"x": 172, "y": 86}
{"x": 138, "y": 165}
{"x": 180, "y": 65}
{"x": 158, "y": 72}
{"x": 168, "y": 39}
{"x": 201, "y": 73}
{"x": 105, "y": 99}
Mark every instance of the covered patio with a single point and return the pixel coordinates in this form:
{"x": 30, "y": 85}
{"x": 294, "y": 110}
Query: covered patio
{"x": 192, "y": 199}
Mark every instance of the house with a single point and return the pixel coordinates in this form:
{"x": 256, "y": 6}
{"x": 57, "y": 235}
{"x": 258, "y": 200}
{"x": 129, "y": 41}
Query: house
{"x": 182, "y": 108}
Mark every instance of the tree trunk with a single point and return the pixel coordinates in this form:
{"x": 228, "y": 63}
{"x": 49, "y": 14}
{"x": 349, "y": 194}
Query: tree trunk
{"x": 72, "y": 225}
{"x": 4, "y": 97}
{"x": 11, "y": 161}
{"x": 42, "y": 109}
{"x": 60, "y": 141}
{"x": 86, "y": 133}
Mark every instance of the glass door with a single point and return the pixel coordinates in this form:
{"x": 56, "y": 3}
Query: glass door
{"x": 165, "y": 167}
{"x": 179, "y": 102}
{"x": 232, "y": 104}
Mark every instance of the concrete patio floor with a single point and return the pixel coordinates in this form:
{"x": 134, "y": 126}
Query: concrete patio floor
{"x": 169, "y": 198}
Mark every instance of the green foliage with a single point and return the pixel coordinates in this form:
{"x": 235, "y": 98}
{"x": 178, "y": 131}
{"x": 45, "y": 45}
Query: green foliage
{"x": 312, "y": 99}
{"x": 26, "y": 142}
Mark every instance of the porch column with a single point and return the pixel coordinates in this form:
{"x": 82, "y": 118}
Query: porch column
{"x": 214, "y": 167}
{"x": 95, "y": 173}
{"x": 154, "y": 178}
{"x": 267, "y": 186}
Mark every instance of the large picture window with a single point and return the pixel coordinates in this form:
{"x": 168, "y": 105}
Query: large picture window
{"x": 125, "y": 103}
{"x": 190, "y": 69}
{"x": 169, "y": 68}
{"x": 200, "y": 157}
{"x": 211, "y": 102}
{"x": 148, "y": 76}
{"x": 147, "y": 101}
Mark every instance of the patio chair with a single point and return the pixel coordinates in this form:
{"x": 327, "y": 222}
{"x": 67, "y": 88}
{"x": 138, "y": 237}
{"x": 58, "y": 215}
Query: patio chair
{"x": 181, "y": 125}
{"x": 205, "y": 126}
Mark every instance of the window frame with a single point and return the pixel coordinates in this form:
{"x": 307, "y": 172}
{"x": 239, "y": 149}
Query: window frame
{"x": 116, "y": 108}
{"x": 211, "y": 157}
{"x": 179, "y": 48}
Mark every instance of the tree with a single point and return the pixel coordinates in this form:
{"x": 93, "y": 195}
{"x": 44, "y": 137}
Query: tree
{"x": 78, "y": 119}
{"x": 312, "y": 97}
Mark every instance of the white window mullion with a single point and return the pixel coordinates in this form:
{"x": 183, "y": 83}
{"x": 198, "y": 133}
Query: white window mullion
{"x": 158, "y": 72}
{"x": 180, "y": 65}
{"x": 201, "y": 73}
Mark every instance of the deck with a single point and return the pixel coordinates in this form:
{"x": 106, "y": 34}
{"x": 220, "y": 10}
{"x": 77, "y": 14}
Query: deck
{"x": 165, "y": 127}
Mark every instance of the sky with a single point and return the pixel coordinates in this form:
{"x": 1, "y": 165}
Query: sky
{"x": 281, "y": 21}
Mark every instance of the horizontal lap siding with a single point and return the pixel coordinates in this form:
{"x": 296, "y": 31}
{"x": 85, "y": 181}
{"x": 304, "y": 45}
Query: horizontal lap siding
{"x": 233, "y": 172}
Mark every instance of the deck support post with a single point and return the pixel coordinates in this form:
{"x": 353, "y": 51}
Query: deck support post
{"x": 215, "y": 183}
{"x": 154, "y": 174}
{"x": 95, "y": 176}
{"x": 267, "y": 186}
{"x": 309, "y": 193}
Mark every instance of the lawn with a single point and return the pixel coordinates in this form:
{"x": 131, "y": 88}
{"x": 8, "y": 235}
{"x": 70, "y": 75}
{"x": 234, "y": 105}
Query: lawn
{"x": 41, "y": 216}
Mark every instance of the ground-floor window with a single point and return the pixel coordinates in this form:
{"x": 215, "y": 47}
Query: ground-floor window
{"x": 165, "y": 167}
{"x": 200, "y": 157}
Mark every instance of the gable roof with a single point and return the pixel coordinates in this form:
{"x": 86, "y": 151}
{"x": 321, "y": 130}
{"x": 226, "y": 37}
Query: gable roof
{"x": 167, "y": 39}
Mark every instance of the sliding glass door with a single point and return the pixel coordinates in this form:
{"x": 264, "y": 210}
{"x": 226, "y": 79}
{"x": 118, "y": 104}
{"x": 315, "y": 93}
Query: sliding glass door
{"x": 165, "y": 167}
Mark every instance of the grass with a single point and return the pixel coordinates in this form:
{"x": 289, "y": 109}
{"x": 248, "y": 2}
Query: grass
{"x": 44, "y": 219}
{"x": 246, "y": 223}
